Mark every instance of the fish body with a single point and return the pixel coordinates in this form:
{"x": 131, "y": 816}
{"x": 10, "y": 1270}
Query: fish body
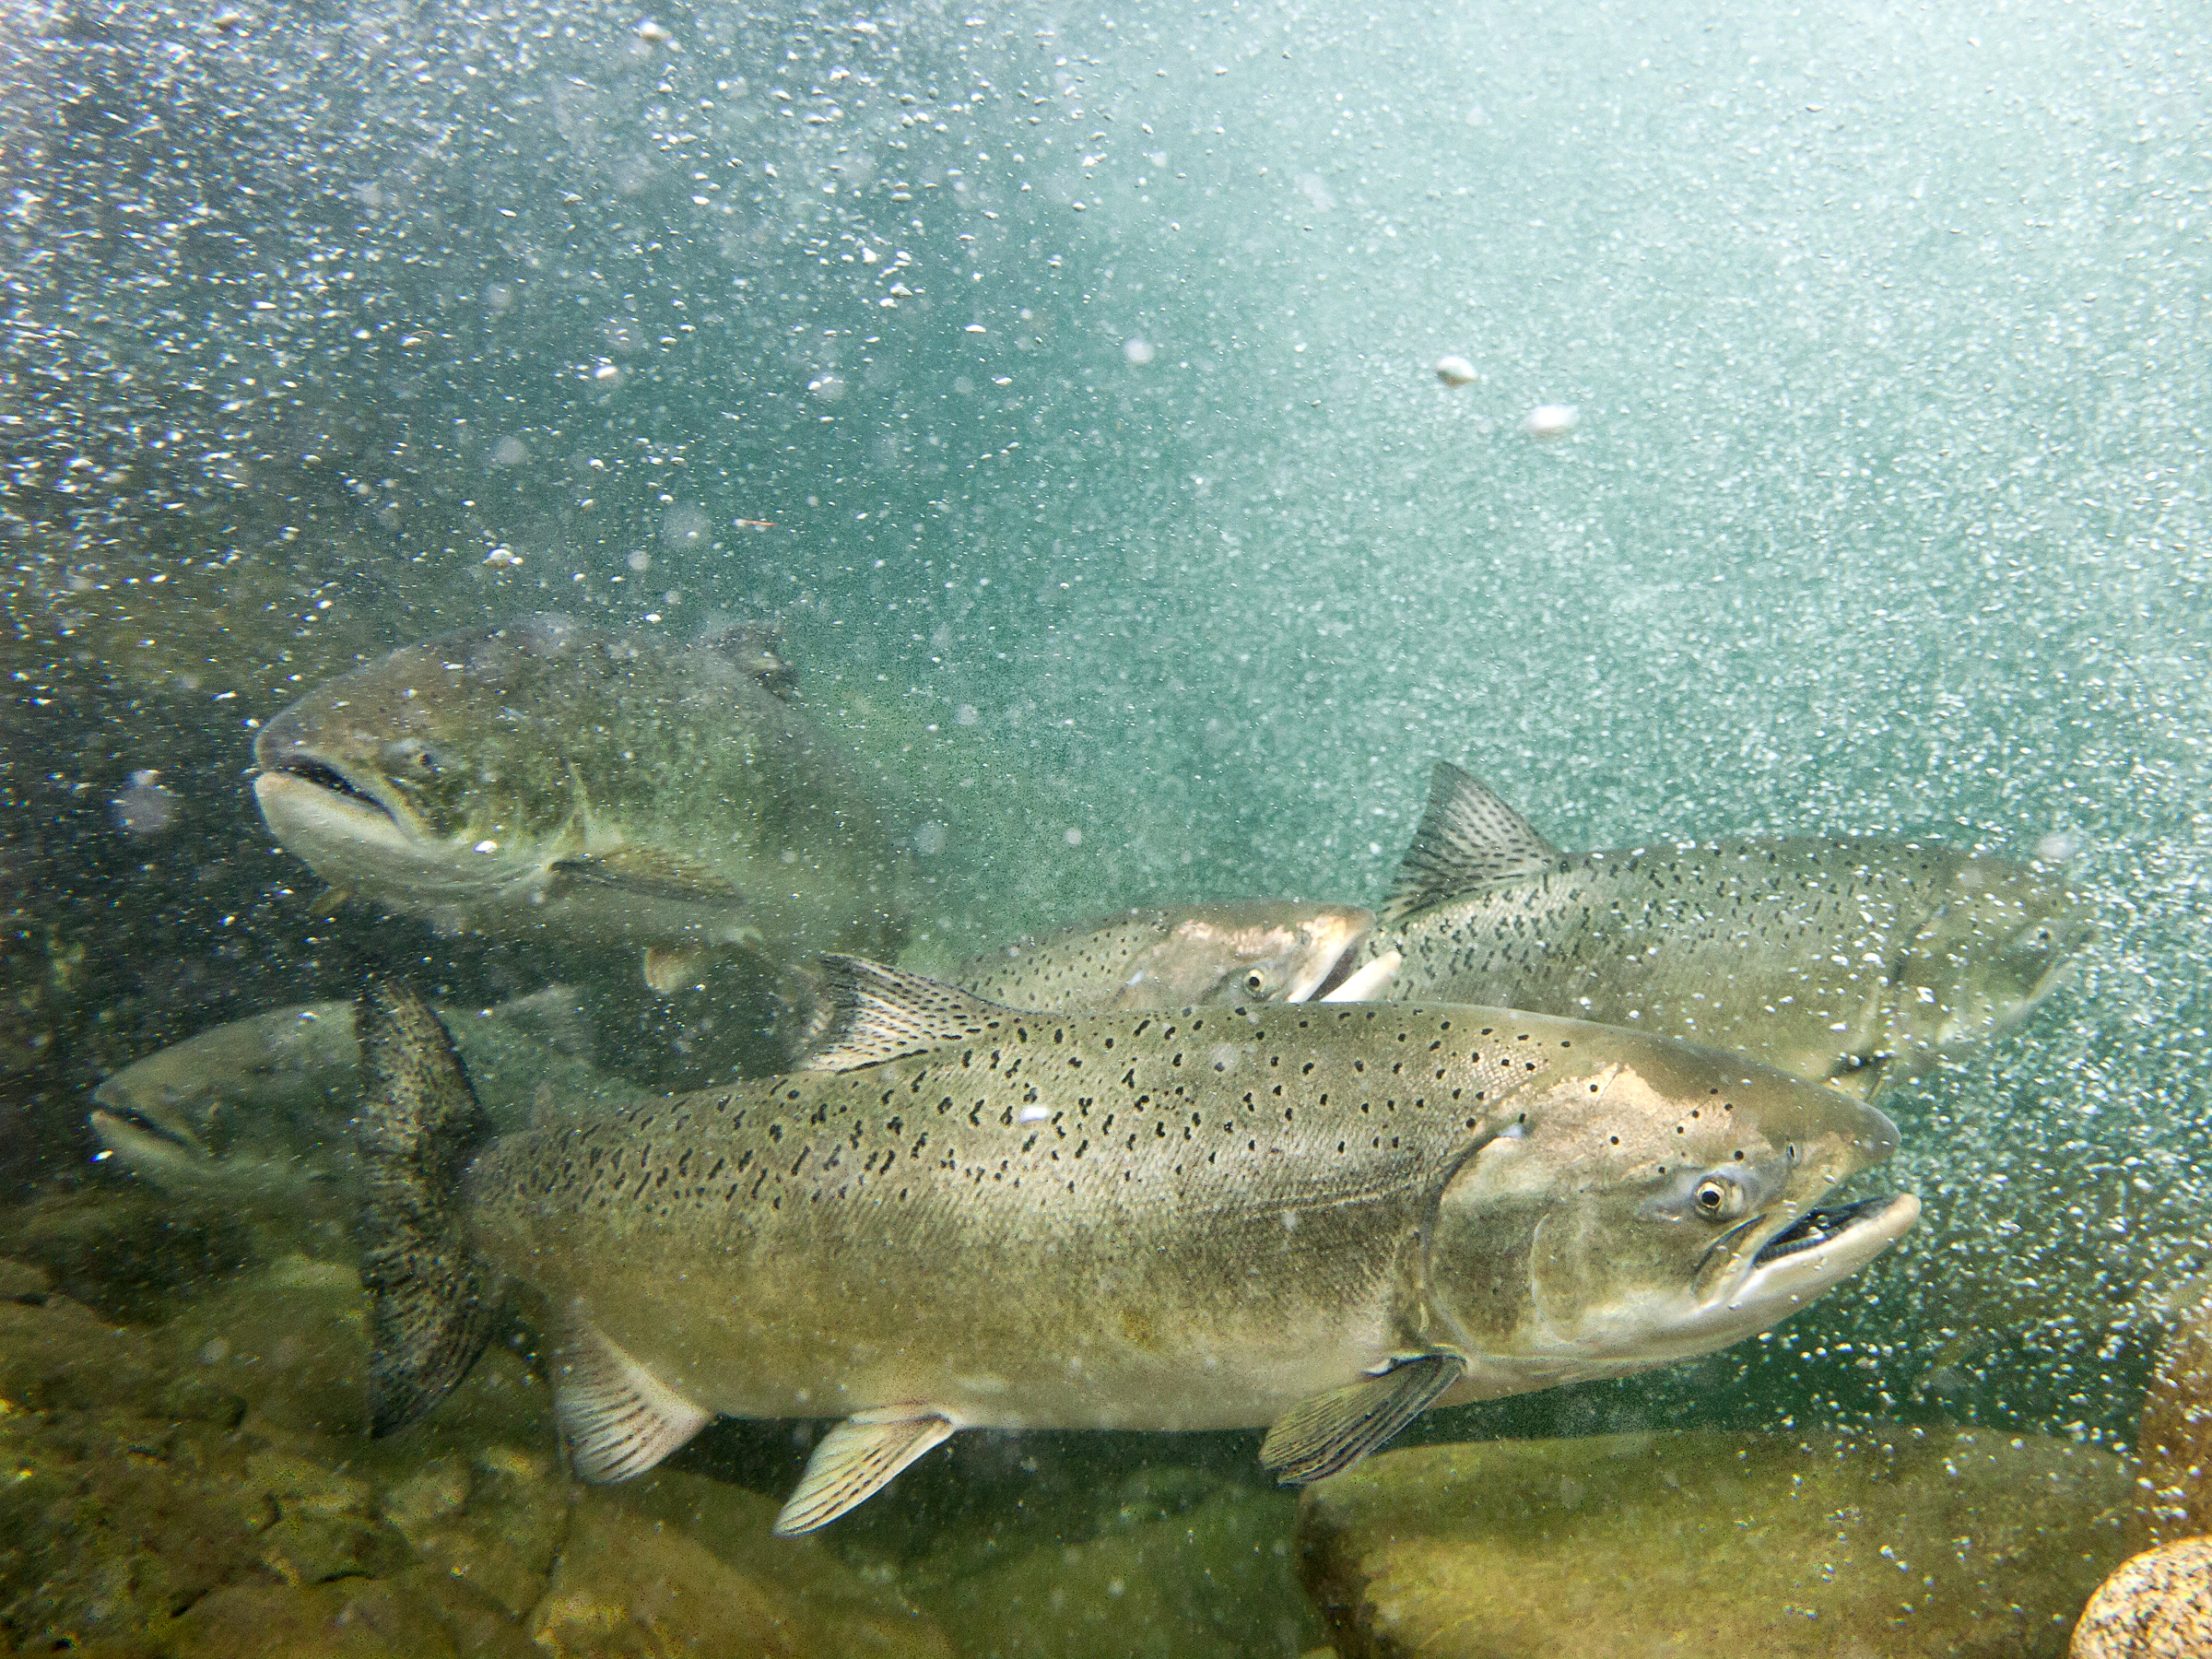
{"x": 543, "y": 777}
{"x": 1172, "y": 958}
{"x": 262, "y": 1108}
{"x": 1322, "y": 1218}
{"x": 1856, "y": 962}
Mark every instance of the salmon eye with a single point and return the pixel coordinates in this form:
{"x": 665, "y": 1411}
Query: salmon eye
{"x": 1718, "y": 1198}
{"x": 1255, "y": 982}
{"x": 410, "y": 758}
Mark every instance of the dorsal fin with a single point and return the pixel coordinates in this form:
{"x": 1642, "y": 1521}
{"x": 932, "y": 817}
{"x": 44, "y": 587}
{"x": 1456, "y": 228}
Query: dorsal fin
{"x": 1467, "y": 838}
{"x": 879, "y": 1012}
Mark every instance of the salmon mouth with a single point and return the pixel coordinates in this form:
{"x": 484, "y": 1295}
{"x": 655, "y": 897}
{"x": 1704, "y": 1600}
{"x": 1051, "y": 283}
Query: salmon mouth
{"x": 350, "y": 837}
{"x": 1817, "y": 1228}
{"x": 107, "y": 1120}
{"x": 320, "y": 774}
{"x": 1330, "y": 958}
{"x": 311, "y": 800}
{"x": 1801, "y": 1260}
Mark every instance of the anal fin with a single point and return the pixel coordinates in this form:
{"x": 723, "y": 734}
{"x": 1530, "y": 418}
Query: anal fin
{"x": 857, "y": 1459}
{"x": 618, "y": 1418}
{"x": 1330, "y": 1432}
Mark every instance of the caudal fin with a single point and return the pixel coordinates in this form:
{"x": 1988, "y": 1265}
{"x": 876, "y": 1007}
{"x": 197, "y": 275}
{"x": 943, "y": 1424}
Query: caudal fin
{"x": 430, "y": 1308}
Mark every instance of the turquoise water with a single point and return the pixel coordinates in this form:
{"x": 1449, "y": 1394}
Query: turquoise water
{"x": 1066, "y": 385}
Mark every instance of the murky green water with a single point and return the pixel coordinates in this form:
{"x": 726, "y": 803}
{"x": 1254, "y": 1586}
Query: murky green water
{"x": 1065, "y": 386}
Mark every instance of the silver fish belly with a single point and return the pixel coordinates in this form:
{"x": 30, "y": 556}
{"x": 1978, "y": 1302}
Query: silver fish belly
{"x": 1854, "y": 962}
{"x": 967, "y": 1216}
{"x": 545, "y": 778}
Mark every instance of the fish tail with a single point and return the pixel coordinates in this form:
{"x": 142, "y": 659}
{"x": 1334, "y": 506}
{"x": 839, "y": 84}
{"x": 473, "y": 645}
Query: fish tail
{"x": 431, "y": 1303}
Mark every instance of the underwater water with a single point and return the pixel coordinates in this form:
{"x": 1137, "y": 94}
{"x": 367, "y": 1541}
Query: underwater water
{"x": 1830, "y": 459}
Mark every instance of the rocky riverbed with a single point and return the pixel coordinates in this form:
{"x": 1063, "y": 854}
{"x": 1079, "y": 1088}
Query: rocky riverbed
{"x": 189, "y": 1476}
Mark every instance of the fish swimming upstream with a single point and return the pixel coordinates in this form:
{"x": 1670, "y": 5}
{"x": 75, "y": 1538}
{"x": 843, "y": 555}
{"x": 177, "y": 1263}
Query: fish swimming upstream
{"x": 261, "y": 1110}
{"x": 1316, "y": 1217}
{"x": 543, "y": 777}
{"x": 1258, "y": 951}
{"x": 1853, "y": 963}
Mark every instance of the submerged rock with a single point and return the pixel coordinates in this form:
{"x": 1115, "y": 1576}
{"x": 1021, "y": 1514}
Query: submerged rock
{"x": 493, "y": 1518}
{"x": 1905, "y": 1544}
{"x": 679, "y": 1564}
{"x": 128, "y": 1255}
{"x": 1069, "y": 1547}
{"x": 2175, "y": 1437}
{"x": 24, "y": 1281}
{"x": 1176, "y": 1565}
{"x": 2158, "y": 1606}
{"x": 182, "y": 1489}
{"x": 413, "y": 1617}
{"x": 112, "y": 1523}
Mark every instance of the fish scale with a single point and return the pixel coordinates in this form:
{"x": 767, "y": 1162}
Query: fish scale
{"x": 967, "y": 1216}
{"x": 543, "y": 778}
{"x": 1568, "y": 939}
{"x": 1849, "y": 960}
{"x": 1163, "y": 957}
{"x": 1343, "y": 1118}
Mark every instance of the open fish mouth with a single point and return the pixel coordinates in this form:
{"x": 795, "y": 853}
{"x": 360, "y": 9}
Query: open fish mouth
{"x": 1803, "y": 1259}
{"x": 322, "y": 816}
{"x": 1330, "y": 960}
{"x": 1817, "y": 1228}
{"x": 321, "y": 775}
{"x": 128, "y": 1130}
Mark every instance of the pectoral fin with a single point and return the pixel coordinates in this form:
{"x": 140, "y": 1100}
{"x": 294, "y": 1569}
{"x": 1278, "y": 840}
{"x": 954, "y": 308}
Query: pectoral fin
{"x": 669, "y": 971}
{"x": 1330, "y": 1432}
{"x": 877, "y": 1012}
{"x": 856, "y": 1460}
{"x": 649, "y": 872}
{"x": 1467, "y": 838}
{"x": 620, "y": 1419}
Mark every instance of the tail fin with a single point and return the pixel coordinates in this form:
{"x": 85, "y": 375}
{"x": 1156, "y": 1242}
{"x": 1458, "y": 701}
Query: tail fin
{"x": 430, "y": 1308}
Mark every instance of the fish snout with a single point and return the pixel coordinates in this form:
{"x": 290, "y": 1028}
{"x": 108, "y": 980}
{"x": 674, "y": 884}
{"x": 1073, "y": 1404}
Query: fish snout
{"x": 1330, "y": 940}
{"x": 281, "y": 744}
{"x": 302, "y": 790}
